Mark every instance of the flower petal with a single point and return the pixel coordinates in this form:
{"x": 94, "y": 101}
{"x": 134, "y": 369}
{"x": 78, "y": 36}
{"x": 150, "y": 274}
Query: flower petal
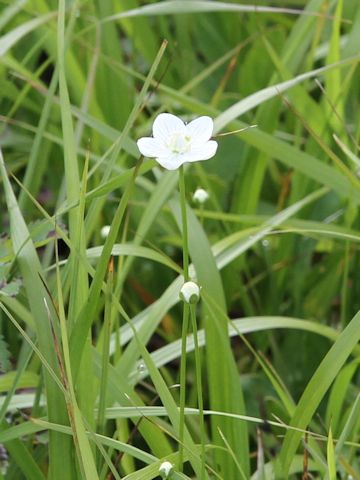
{"x": 172, "y": 162}
{"x": 200, "y": 130}
{"x": 150, "y": 147}
{"x": 203, "y": 152}
{"x": 165, "y": 125}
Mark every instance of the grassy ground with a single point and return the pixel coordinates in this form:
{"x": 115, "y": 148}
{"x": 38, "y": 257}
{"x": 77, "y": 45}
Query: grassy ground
{"x": 91, "y": 355}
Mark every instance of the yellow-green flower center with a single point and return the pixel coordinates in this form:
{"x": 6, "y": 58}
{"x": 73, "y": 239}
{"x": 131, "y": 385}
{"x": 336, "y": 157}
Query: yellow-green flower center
{"x": 179, "y": 143}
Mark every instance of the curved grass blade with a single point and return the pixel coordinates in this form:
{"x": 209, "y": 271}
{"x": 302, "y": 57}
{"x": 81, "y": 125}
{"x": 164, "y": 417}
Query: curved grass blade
{"x": 176, "y": 7}
{"x": 31, "y": 269}
{"x": 8, "y": 40}
{"x": 317, "y": 387}
{"x": 267, "y": 93}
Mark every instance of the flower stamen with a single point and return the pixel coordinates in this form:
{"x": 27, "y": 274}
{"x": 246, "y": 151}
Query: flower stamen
{"x": 179, "y": 143}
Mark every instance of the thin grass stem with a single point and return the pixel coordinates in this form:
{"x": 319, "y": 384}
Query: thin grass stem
{"x": 101, "y": 421}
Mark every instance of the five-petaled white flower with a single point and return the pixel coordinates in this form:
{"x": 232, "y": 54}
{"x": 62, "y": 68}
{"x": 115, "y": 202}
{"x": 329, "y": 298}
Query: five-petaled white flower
{"x": 174, "y": 143}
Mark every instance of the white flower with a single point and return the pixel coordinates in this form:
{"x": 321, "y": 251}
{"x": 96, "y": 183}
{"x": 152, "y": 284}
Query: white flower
{"x": 174, "y": 143}
{"x": 200, "y": 195}
{"x": 190, "y": 292}
{"x": 104, "y": 232}
{"x": 165, "y": 469}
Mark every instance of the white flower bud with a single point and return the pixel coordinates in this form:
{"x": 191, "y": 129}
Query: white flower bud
{"x": 104, "y": 232}
{"x": 200, "y": 196}
{"x": 190, "y": 292}
{"x": 165, "y": 469}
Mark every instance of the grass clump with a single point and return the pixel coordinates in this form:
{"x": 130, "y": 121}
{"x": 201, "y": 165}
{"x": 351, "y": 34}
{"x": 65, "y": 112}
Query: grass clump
{"x": 105, "y": 373}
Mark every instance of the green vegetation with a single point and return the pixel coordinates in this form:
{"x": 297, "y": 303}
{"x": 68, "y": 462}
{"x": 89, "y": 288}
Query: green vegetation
{"x": 102, "y": 375}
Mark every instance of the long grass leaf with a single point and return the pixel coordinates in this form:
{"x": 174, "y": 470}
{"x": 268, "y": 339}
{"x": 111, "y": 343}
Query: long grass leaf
{"x": 31, "y": 269}
{"x": 318, "y": 386}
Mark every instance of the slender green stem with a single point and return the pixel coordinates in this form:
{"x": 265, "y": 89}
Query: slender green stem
{"x": 186, "y": 311}
{"x": 199, "y": 388}
{"x": 201, "y": 214}
{"x": 185, "y": 327}
{"x": 344, "y": 287}
{"x": 184, "y": 223}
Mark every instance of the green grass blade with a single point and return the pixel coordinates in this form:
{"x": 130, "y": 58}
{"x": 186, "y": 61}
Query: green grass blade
{"x": 178, "y": 7}
{"x": 331, "y": 458}
{"x": 31, "y": 269}
{"x": 318, "y": 386}
{"x": 261, "y": 96}
{"x": 351, "y": 426}
{"x": 8, "y": 40}
{"x": 23, "y": 458}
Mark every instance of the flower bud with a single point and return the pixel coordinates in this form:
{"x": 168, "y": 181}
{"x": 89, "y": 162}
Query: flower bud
{"x": 190, "y": 292}
{"x": 165, "y": 470}
{"x": 104, "y": 232}
{"x": 200, "y": 196}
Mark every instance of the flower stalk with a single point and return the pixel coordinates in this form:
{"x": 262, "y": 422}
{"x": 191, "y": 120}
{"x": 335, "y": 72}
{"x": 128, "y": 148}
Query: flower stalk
{"x": 186, "y": 312}
{"x": 199, "y": 388}
{"x": 185, "y": 239}
{"x": 174, "y": 143}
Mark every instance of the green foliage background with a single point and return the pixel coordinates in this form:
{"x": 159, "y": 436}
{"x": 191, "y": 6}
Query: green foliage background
{"x": 275, "y": 248}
